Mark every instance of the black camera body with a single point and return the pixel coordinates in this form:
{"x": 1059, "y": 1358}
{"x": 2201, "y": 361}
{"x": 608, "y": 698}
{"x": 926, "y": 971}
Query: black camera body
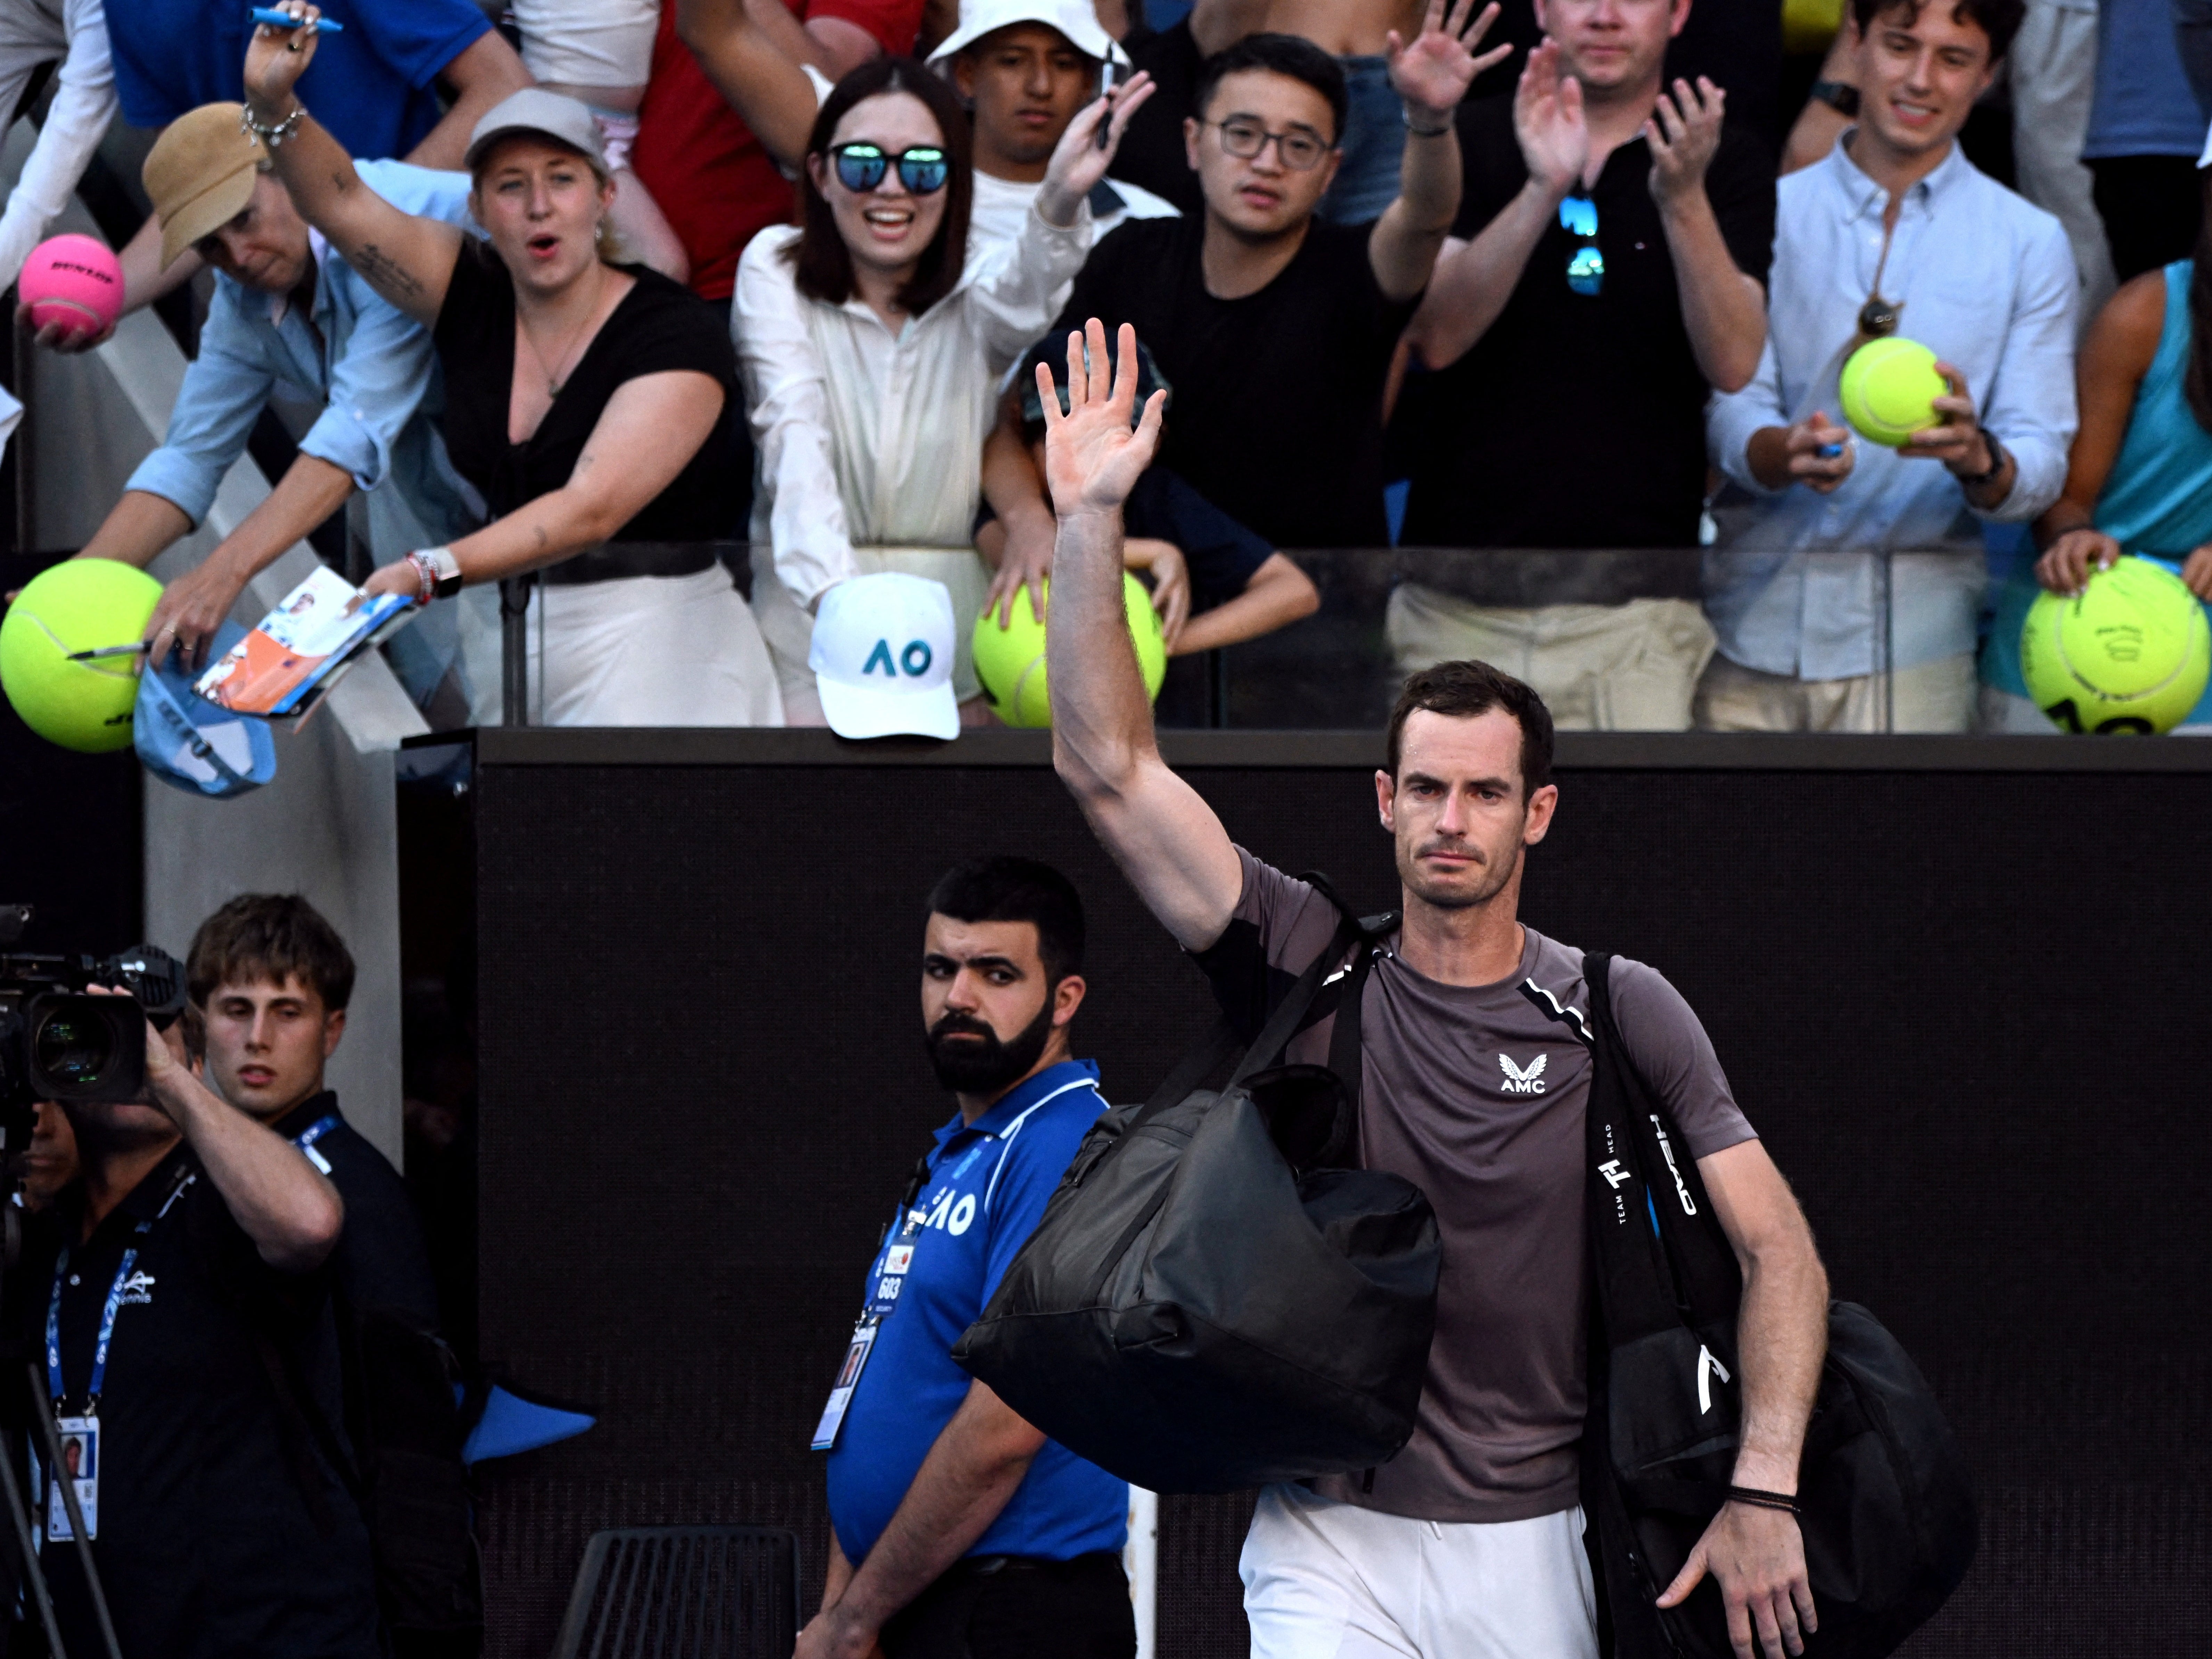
{"x": 58, "y": 1043}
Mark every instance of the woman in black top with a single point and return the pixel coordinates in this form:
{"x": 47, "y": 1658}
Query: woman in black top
{"x": 593, "y": 405}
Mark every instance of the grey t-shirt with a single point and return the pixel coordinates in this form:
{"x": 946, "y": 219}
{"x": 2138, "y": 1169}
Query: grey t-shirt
{"x": 1475, "y": 1093}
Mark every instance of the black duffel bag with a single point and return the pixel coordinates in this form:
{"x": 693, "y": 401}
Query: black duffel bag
{"x": 1888, "y": 1510}
{"x": 1213, "y": 1299}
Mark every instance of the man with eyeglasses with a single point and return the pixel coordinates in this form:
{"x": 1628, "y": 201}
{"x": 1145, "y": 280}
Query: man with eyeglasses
{"x": 1848, "y": 595}
{"x": 1276, "y": 329}
{"x": 1615, "y": 239}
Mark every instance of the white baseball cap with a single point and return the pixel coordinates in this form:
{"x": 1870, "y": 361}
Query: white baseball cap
{"x": 1073, "y": 18}
{"x": 882, "y": 657}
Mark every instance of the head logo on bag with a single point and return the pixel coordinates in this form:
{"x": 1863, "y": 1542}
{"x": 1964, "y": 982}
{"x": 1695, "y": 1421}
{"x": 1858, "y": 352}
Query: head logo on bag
{"x": 1520, "y": 1082}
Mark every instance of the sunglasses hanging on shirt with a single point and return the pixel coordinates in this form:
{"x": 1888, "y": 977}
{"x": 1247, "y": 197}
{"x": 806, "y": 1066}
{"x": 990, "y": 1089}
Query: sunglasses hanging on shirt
{"x": 861, "y": 167}
{"x": 1586, "y": 264}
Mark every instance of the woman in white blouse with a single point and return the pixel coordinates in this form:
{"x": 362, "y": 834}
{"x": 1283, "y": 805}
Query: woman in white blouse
{"x": 872, "y": 347}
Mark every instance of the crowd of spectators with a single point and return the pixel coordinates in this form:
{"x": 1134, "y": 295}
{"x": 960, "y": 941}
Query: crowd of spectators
{"x": 1551, "y": 283}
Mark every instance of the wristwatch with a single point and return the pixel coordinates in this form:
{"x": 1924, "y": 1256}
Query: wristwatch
{"x": 1997, "y": 458}
{"x": 440, "y": 572}
{"x": 1837, "y": 95}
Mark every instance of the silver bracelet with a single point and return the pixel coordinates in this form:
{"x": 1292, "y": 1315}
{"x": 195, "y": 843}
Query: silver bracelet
{"x": 271, "y": 136}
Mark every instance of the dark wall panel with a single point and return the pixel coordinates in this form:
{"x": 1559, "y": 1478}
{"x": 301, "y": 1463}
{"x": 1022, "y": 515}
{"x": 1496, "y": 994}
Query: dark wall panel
{"x": 1966, "y": 1012}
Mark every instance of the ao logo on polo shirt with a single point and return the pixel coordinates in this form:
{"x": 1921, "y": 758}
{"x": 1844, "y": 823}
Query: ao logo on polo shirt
{"x": 915, "y": 660}
{"x": 954, "y": 1216}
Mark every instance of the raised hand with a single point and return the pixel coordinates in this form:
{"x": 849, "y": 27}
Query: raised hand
{"x": 1079, "y": 161}
{"x": 276, "y": 58}
{"x": 1433, "y": 74}
{"x": 1548, "y": 120}
{"x": 1092, "y": 456}
{"x": 1684, "y": 131}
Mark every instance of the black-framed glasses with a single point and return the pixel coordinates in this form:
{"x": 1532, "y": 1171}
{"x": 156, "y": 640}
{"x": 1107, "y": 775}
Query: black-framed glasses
{"x": 1586, "y": 264}
{"x": 1302, "y": 152}
{"x": 922, "y": 169}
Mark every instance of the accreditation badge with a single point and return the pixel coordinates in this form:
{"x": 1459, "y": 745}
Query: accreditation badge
{"x": 848, "y": 1378}
{"x": 79, "y": 1438}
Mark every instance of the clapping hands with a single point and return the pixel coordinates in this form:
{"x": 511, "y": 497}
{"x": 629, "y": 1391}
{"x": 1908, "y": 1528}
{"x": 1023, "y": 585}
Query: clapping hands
{"x": 1549, "y": 121}
{"x": 1684, "y": 133}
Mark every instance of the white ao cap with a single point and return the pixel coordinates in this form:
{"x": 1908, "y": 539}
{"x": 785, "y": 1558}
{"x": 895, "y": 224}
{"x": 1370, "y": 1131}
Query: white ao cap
{"x": 1073, "y": 18}
{"x": 882, "y": 656}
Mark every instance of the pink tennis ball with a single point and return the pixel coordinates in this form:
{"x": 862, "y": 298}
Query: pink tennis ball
{"x": 73, "y": 281}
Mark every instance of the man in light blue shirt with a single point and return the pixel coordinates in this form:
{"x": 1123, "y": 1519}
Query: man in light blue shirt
{"x": 287, "y": 313}
{"x": 1847, "y": 595}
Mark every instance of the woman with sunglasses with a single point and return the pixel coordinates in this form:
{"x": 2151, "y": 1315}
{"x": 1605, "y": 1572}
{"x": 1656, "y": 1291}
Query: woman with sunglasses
{"x": 593, "y": 403}
{"x": 872, "y": 347}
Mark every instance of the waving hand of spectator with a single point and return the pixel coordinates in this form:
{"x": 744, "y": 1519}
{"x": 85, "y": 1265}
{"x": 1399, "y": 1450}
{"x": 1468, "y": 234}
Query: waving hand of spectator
{"x": 1432, "y": 75}
{"x": 1549, "y": 121}
{"x": 1080, "y": 160}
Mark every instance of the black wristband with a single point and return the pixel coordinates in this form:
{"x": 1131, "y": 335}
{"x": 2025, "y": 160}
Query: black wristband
{"x": 1837, "y": 95}
{"x": 1997, "y": 459}
{"x": 1761, "y": 1500}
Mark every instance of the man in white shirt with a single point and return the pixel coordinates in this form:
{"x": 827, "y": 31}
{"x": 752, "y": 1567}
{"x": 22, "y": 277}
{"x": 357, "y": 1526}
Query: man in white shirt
{"x": 1847, "y": 597}
{"x": 1024, "y": 67}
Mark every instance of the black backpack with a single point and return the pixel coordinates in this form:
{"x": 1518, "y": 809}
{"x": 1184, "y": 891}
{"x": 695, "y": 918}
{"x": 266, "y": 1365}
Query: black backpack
{"x": 1888, "y": 1510}
{"x": 1213, "y": 1299}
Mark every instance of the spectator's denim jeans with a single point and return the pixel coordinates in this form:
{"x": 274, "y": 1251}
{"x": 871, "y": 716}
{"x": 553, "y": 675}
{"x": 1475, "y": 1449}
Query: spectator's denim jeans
{"x": 1374, "y": 144}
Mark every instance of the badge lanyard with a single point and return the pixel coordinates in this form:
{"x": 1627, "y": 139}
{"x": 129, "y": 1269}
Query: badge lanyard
{"x": 306, "y": 1139}
{"x": 909, "y": 1223}
{"x": 84, "y": 1430}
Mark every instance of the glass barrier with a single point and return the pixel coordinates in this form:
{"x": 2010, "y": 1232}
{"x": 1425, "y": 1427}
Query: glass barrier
{"x": 1734, "y": 639}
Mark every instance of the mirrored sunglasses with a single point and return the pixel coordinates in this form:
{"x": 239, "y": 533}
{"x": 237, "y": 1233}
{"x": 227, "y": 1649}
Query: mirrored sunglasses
{"x": 1586, "y": 264}
{"x": 861, "y": 167}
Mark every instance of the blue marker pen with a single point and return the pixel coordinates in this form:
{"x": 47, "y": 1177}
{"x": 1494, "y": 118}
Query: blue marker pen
{"x": 282, "y": 19}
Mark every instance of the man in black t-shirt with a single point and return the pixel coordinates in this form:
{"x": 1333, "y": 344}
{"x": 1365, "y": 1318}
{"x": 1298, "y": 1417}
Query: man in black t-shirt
{"x": 1275, "y": 330}
{"x": 1617, "y": 239}
{"x": 268, "y": 979}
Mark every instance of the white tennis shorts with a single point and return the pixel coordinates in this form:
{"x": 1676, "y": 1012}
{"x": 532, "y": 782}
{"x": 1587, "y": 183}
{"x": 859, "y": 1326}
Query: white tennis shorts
{"x": 1324, "y": 1580}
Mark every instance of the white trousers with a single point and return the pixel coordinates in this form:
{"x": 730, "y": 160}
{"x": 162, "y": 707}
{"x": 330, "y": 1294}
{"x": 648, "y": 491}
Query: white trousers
{"x": 1324, "y": 1580}
{"x": 637, "y": 651}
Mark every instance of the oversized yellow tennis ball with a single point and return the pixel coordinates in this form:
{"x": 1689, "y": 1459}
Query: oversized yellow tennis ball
{"x": 1889, "y": 388}
{"x": 2130, "y": 653}
{"x": 1010, "y": 661}
{"x": 78, "y": 605}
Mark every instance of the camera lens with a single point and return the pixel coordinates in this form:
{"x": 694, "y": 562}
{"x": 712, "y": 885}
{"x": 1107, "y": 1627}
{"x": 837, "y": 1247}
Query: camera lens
{"x": 73, "y": 1049}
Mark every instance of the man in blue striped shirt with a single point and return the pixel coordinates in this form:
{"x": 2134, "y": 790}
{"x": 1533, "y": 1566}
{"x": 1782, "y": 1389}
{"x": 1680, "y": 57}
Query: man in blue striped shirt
{"x": 1847, "y": 595}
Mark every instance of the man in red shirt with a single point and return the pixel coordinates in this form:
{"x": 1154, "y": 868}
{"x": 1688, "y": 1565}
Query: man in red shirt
{"x": 717, "y": 184}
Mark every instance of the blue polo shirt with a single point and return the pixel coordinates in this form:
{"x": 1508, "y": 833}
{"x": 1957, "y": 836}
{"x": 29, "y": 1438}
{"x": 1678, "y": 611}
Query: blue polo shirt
{"x": 371, "y": 85}
{"x": 987, "y": 1189}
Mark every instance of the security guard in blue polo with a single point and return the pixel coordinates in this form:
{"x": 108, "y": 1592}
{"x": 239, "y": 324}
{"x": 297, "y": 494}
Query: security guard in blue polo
{"x": 960, "y": 1532}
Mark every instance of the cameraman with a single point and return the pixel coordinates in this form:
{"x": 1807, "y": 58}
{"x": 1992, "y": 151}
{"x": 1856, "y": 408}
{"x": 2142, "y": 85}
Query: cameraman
{"x": 163, "y": 1286}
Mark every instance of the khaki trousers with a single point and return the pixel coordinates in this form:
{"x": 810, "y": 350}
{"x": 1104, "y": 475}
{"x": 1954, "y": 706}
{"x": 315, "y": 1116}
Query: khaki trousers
{"x": 1598, "y": 668}
{"x": 1928, "y": 697}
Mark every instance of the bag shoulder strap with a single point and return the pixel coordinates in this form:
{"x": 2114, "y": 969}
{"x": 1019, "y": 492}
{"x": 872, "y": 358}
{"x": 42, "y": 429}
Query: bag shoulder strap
{"x": 1704, "y": 1280}
{"x": 1275, "y": 1036}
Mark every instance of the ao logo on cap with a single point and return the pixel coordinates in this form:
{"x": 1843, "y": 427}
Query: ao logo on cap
{"x": 914, "y": 659}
